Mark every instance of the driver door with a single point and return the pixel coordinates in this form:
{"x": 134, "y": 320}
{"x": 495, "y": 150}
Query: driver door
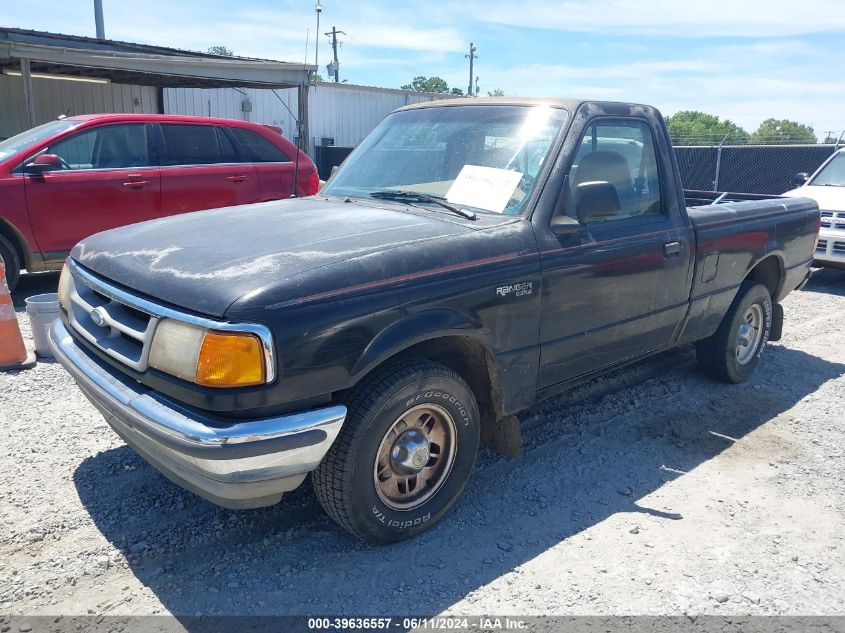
{"x": 107, "y": 180}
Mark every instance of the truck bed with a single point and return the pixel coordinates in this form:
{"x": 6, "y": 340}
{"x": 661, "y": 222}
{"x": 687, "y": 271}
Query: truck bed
{"x": 732, "y": 236}
{"x": 697, "y": 198}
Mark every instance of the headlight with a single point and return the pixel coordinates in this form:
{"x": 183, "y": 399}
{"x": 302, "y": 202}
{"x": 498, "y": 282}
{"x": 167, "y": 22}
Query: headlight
{"x": 64, "y": 288}
{"x": 211, "y": 358}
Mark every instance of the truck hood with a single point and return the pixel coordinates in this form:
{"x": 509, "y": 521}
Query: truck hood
{"x": 205, "y": 261}
{"x": 828, "y": 198}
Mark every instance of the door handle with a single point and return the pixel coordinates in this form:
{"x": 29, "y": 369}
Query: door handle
{"x": 237, "y": 178}
{"x": 136, "y": 184}
{"x": 671, "y": 248}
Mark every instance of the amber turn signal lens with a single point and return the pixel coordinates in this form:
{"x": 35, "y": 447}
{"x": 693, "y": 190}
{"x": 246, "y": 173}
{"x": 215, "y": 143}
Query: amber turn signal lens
{"x": 230, "y": 360}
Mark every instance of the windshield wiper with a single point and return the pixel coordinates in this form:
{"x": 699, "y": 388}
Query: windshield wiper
{"x": 399, "y": 194}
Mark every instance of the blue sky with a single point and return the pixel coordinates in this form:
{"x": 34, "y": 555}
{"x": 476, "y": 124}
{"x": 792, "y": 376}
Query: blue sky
{"x": 746, "y": 60}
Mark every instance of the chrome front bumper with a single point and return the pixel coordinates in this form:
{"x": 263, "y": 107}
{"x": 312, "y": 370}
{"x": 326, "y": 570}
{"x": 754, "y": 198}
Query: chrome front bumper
{"x": 245, "y": 464}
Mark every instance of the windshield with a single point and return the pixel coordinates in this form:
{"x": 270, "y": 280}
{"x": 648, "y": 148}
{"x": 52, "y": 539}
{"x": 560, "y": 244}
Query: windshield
{"x": 24, "y": 140}
{"x": 833, "y": 174}
{"x": 483, "y": 157}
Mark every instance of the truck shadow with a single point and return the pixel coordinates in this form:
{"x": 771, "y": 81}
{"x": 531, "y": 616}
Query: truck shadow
{"x": 590, "y": 454}
{"x": 828, "y": 281}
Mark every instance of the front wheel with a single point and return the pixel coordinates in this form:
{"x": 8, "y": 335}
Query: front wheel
{"x": 404, "y": 453}
{"x": 733, "y": 352}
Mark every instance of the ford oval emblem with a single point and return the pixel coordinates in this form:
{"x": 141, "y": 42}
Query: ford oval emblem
{"x": 99, "y": 316}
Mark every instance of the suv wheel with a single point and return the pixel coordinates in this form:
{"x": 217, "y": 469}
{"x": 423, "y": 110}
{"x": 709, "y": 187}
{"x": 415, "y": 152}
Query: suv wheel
{"x": 404, "y": 453}
{"x": 9, "y": 257}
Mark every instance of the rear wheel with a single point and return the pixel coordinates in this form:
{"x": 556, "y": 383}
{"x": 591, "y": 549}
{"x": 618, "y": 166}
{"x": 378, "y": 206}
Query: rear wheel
{"x": 404, "y": 453}
{"x": 733, "y": 352}
{"x": 11, "y": 262}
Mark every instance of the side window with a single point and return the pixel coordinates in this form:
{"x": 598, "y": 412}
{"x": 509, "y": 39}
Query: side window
{"x": 258, "y": 148}
{"x": 623, "y": 154}
{"x": 228, "y": 153}
{"x": 107, "y": 147}
{"x": 187, "y": 144}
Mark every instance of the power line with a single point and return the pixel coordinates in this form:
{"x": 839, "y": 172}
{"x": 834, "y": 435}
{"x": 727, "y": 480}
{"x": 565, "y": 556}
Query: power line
{"x": 380, "y": 54}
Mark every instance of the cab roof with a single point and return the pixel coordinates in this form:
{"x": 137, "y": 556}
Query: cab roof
{"x": 570, "y": 104}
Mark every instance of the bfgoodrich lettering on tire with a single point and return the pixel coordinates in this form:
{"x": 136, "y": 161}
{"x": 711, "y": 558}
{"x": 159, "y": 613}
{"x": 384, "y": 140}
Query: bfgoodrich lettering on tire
{"x": 404, "y": 453}
{"x": 733, "y": 352}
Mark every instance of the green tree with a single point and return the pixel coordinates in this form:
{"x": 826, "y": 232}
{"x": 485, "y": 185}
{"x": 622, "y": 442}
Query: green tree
{"x": 496, "y": 92}
{"x": 457, "y": 91}
{"x": 220, "y": 50}
{"x": 783, "y": 132}
{"x": 427, "y": 84}
{"x": 690, "y": 127}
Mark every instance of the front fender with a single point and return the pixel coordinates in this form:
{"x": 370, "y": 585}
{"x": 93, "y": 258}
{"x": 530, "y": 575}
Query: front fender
{"x": 414, "y": 329}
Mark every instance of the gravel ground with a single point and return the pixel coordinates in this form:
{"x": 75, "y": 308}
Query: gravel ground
{"x": 651, "y": 491}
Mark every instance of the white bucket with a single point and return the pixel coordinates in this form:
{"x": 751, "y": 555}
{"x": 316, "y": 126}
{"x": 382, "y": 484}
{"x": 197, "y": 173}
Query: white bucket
{"x": 42, "y": 311}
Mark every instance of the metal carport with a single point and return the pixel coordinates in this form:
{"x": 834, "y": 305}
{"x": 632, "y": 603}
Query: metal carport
{"x": 26, "y": 53}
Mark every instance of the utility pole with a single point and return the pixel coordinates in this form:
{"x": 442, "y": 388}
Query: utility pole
{"x": 98, "y": 19}
{"x": 476, "y": 85}
{"x": 472, "y": 57}
{"x": 335, "y": 67}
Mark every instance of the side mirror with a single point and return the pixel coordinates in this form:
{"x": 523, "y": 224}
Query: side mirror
{"x": 800, "y": 179}
{"x": 564, "y": 225}
{"x": 597, "y": 199}
{"x": 43, "y": 164}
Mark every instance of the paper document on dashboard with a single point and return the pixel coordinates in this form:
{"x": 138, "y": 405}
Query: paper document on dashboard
{"x": 485, "y": 188}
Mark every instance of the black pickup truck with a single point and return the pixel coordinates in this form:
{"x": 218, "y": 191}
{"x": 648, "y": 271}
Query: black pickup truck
{"x": 469, "y": 258}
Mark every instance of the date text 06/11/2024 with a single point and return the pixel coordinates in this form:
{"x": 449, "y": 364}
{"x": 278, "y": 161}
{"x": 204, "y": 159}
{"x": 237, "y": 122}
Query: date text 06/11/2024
{"x": 445, "y": 623}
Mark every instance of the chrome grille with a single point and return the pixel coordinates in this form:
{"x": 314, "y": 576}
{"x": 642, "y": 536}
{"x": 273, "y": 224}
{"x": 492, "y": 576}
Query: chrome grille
{"x": 833, "y": 219}
{"x": 120, "y": 330}
{"x": 122, "y": 324}
{"x": 821, "y": 246}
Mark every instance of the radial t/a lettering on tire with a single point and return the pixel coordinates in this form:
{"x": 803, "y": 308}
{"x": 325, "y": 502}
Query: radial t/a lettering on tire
{"x": 733, "y": 352}
{"x": 404, "y": 453}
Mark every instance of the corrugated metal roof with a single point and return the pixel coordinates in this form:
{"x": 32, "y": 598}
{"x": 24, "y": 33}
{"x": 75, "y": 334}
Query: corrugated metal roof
{"x": 46, "y": 38}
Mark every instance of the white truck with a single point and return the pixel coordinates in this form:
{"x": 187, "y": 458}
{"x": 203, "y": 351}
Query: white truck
{"x": 827, "y": 187}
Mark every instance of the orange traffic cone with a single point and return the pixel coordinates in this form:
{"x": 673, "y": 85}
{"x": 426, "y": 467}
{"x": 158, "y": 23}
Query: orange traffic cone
{"x": 13, "y": 353}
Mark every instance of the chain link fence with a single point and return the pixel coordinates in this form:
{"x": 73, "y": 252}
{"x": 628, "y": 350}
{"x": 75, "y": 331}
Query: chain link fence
{"x": 766, "y": 169}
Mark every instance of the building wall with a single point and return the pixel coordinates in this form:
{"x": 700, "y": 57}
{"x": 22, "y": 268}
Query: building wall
{"x": 54, "y": 97}
{"x": 343, "y": 112}
{"x": 267, "y": 106}
{"x": 348, "y": 113}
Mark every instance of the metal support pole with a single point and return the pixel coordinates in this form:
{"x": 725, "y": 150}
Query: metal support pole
{"x": 98, "y": 19}
{"x": 318, "y": 8}
{"x": 29, "y": 103}
{"x": 302, "y": 117}
{"x": 718, "y": 164}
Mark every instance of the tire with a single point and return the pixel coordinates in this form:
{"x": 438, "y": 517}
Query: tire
{"x": 409, "y": 413}
{"x": 733, "y": 352}
{"x": 11, "y": 262}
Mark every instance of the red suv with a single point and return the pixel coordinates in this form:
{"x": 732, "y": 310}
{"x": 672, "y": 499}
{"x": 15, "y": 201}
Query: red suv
{"x": 67, "y": 179}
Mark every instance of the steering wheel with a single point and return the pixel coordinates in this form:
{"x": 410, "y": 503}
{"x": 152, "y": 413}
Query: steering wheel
{"x": 65, "y": 164}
